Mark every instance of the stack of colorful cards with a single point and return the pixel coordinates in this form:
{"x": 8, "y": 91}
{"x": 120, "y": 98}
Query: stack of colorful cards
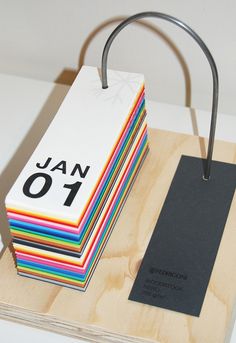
{"x": 65, "y": 202}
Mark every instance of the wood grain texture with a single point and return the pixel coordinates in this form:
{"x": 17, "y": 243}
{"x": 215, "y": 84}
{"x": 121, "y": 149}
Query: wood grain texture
{"x": 103, "y": 313}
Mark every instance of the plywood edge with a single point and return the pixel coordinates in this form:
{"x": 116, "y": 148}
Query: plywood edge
{"x": 88, "y": 333}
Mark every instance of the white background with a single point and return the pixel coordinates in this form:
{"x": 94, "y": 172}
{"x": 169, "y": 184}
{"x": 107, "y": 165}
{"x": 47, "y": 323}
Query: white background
{"x": 49, "y": 39}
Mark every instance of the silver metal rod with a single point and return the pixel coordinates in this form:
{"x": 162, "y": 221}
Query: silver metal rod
{"x": 194, "y": 35}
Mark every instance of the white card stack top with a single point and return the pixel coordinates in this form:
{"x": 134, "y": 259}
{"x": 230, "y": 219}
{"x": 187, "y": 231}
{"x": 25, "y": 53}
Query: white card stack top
{"x": 71, "y": 166}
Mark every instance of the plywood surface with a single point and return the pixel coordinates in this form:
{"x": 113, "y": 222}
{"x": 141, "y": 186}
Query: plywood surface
{"x": 103, "y": 313}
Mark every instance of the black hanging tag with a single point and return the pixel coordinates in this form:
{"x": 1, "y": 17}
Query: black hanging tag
{"x": 178, "y": 262}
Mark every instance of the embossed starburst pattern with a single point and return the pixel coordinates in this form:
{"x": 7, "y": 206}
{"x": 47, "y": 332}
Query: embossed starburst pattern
{"x": 119, "y": 84}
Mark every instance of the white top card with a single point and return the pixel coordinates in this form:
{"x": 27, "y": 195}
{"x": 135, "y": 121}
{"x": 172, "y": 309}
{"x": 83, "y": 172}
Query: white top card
{"x": 63, "y": 171}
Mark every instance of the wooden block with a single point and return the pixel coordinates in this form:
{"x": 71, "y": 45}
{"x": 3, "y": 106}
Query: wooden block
{"x": 103, "y": 313}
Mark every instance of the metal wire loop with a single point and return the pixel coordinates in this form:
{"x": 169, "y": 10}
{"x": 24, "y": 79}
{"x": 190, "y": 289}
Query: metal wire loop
{"x": 194, "y": 35}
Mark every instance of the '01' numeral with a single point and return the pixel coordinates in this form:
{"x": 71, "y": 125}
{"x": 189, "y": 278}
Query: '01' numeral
{"x": 47, "y": 185}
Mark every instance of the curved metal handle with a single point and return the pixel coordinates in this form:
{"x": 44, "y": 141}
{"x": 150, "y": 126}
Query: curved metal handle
{"x": 207, "y": 53}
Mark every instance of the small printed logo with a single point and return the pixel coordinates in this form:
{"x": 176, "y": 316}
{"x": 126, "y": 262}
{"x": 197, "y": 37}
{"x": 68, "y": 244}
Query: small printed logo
{"x": 177, "y": 275}
{"x": 152, "y": 270}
